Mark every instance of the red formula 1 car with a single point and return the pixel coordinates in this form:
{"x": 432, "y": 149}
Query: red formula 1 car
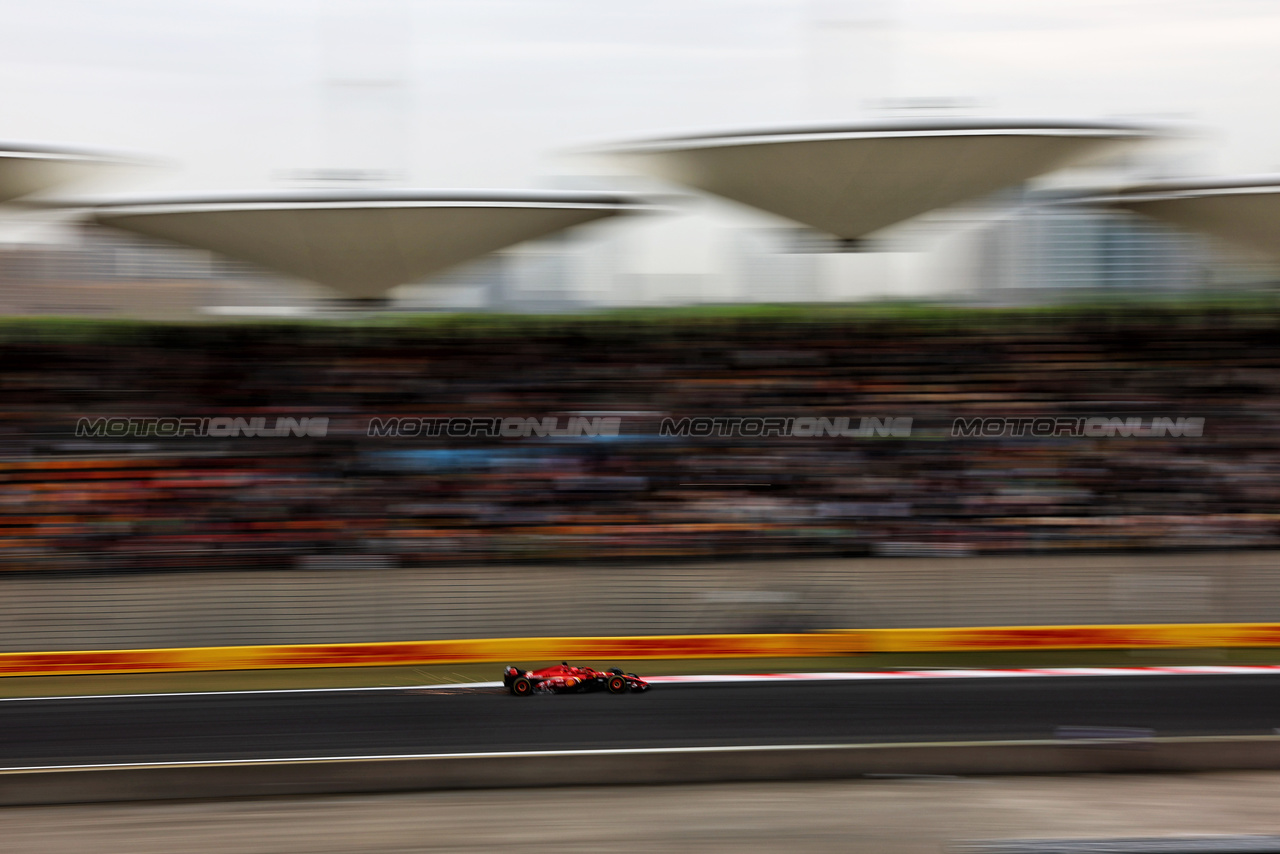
{"x": 565, "y": 679}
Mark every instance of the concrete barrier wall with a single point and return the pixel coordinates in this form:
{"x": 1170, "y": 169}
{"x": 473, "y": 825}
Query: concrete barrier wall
{"x": 434, "y": 652}
{"x": 816, "y": 644}
{"x": 364, "y": 604}
{"x": 627, "y": 767}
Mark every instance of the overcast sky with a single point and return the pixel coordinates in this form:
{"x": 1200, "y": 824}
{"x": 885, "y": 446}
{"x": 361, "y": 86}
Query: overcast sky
{"x": 477, "y": 93}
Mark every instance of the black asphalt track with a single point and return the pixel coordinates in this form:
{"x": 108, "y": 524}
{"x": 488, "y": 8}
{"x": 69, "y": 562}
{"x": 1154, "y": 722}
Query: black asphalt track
{"x": 398, "y": 722}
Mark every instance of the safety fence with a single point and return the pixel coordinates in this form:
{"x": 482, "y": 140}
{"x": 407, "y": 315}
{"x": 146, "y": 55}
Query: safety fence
{"x": 356, "y": 602}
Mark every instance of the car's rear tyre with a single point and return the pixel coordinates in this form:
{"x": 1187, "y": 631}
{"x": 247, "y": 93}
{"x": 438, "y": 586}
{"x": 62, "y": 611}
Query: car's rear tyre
{"x": 617, "y": 685}
{"x": 521, "y": 686}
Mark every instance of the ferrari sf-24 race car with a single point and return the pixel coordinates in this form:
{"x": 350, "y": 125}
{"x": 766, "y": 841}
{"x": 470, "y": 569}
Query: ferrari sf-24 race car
{"x": 563, "y": 678}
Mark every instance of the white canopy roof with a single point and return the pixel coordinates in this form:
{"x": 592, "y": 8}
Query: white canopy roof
{"x": 1245, "y": 211}
{"x": 362, "y": 244}
{"x": 851, "y": 181}
{"x": 26, "y": 170}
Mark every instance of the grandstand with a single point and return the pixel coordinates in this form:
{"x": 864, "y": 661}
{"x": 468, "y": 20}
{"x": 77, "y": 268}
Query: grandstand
{"x": 904, "y": 480}
{"x": 94, "y": 502}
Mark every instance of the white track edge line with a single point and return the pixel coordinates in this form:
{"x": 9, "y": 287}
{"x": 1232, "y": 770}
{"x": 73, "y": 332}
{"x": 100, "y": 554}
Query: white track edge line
{"x": 435, "y": 687}
{"x": 709, "y": 679}
{"x": 619, "y": 751}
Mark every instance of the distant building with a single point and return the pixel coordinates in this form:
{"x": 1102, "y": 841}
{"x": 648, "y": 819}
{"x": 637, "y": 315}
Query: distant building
{"x": 100, "y": 272}
{"x": 1059, "y": 247}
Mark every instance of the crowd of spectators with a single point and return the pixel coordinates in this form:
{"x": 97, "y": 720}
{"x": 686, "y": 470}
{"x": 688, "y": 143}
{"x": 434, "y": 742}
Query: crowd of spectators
{"x": 142, "y": 501}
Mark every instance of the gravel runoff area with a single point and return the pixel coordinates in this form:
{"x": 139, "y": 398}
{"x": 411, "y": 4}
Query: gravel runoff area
{"x": 896, "y": 816}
